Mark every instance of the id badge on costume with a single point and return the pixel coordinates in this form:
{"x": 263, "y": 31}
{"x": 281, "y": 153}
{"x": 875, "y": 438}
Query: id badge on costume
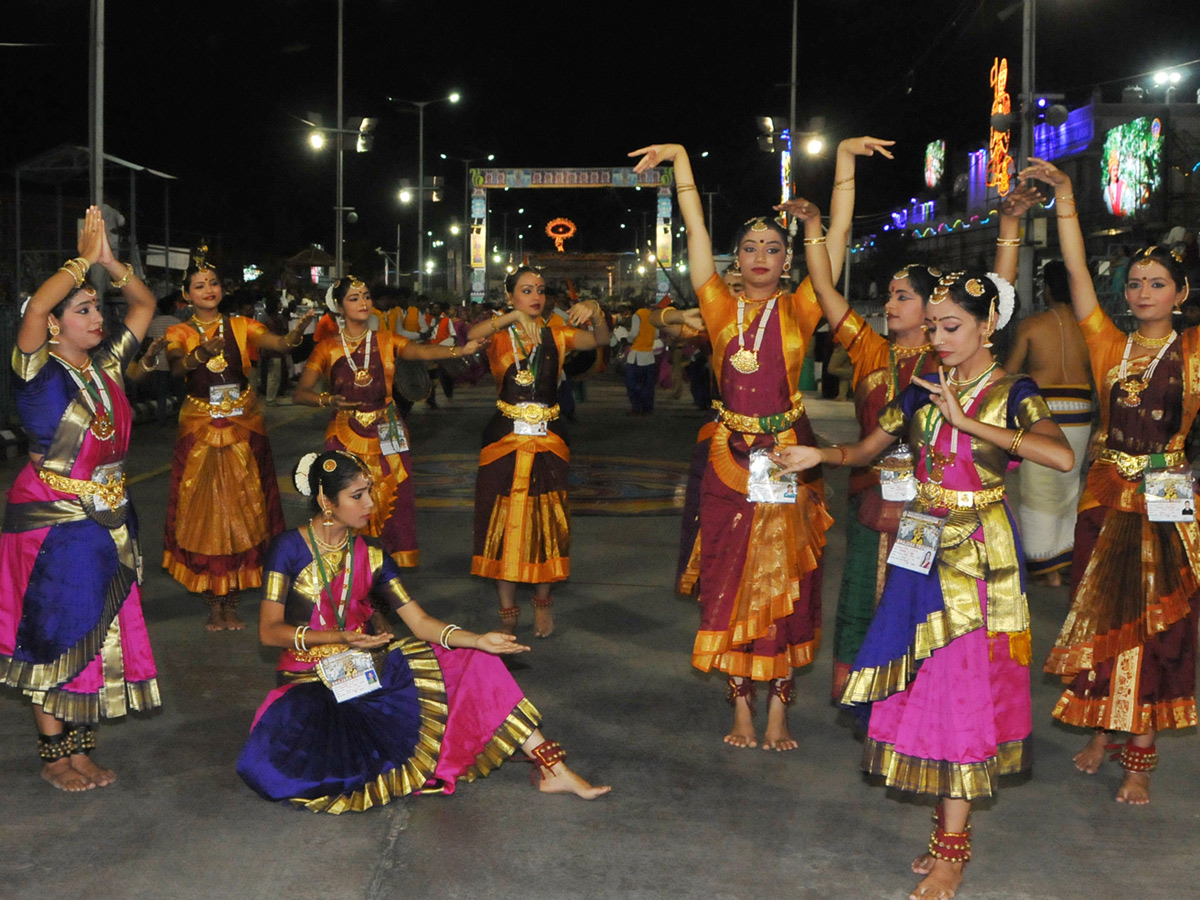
{"x": 349, "y": 674}
{"x": 767, "y": 483}
{"x": 1170, "y": 495}
{"x": 897, "y": 480}
{"x": 530, "y": 429}
{"x": 917, "y": 540}
{"x": 223, "y": 401}
{"x": 107, "y": 474}
{"x": 393, "y": 437}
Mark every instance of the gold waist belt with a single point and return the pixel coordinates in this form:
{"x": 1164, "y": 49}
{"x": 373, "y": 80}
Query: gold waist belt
{"x": 1131, "y": 466}
{"x": 111, "y": 493}
{"x": 367, "y": 419}
{"x": 939, "y": 497}
{"x": 225, "y": 407}
{"x": 527, "y": 412}
{"x": 772, "y": 424}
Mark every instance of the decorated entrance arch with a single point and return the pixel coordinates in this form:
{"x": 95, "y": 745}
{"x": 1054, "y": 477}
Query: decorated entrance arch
{"x": 483, "y": 180}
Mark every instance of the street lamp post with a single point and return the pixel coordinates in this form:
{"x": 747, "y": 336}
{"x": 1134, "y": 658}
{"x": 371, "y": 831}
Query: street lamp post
{"x": 420, "y": 105}
{"x": 466, "y": 219}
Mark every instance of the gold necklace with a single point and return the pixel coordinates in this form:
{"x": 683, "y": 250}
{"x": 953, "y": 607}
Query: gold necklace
{"x": 331, "y": 548}
{"x": 904, "y": 352}
{"x": 1152, "y": 343}
{"x": 198, "y": 321}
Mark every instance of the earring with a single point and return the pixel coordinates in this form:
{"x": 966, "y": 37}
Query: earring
{"x": 1176, "y": 311}
{"x": 54, "y": 330}
{"x": 328, "y": 516}
{"x": 987, "y": 341}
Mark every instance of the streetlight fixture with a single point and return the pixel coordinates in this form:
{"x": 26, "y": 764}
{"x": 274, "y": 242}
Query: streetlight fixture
{"x": 363, "y": 129}
{"x": 420, "y": 105}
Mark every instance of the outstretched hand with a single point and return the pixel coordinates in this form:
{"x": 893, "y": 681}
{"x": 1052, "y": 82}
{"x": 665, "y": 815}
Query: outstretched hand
{"x": 802, "y": 209}
{"x": 655, "y": 155}
{"x": 1045, "y": 171}
{"x": 360, "y": 641}
{"x": 796, "y": 459}
{"x": 470, "y": 348}
{"x": 581, "y": 313}
{"x": 944, "y": 398}
{"x": 499, "y": 643}
{"x": 1020, "y": 200}
{"x": 867, "y": 146}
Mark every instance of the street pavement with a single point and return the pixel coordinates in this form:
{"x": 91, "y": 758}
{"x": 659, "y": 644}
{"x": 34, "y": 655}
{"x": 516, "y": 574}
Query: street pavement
{"x": 689, "y": 817}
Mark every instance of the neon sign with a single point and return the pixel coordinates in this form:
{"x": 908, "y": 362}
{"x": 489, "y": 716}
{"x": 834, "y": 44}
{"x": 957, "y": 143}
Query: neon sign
{"x": 999, "y": 160}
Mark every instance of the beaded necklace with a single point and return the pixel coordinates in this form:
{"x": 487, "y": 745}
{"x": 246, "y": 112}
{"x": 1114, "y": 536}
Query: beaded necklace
{"x": 746, "y": 361}
{"x": 362, "y": 377}
{"x": 1132, "y": 385}
{"x": 96, "y": 396}
{"x": 348, "y": 577}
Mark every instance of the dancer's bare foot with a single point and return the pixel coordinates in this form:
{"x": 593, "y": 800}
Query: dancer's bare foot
{"x": 743, "y": 733}
{"x": 65, "y": 777}
{"x": 231, "y": 620}
{"x": 778, "y": 736}
{"x": 923, "y": 864}
{"x": 1089, "y": 759}
{"x": 543, "y": 621}
{"x": 562, "y": 780}
{"x": 98, "y": 775}
{"x": 1135, "y": 789}
{"x": 216, "y": 620}
{"x": 941, "y": 883}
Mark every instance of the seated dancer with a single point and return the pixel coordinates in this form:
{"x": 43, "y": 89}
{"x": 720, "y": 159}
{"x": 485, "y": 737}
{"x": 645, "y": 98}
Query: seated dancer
{"x": 347, "y": 731}
{"x": 945, "y": 662}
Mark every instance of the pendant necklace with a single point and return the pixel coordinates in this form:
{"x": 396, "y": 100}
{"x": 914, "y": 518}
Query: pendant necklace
{"x": 97, "y": 399}
{"x": 938, "y": 460}
{"x": 362, "y": 377}
{"x": 215, "y": 364}
{"x": 1131, "y": 384}
{"x": 746, "y": 361}
{"x": 525, "y": 376}
{"x": 319, "y": 547}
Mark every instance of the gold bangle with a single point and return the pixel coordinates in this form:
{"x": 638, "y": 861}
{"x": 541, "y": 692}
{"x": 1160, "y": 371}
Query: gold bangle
{"x": 1072, "y": 215}
{"x": 1016, "y": 442}
{"x": 810, "y": 242}
{"x": 1070, "y": 197}
{"x": 454, "y": 351}
{"x": 495, "y": 316}
{"x": 152, "y": 366}
{"x": 1009, "y": 242}
{"x": 299, "y": 340}
{"x": 844, "y": 181}
{"x": 841, "y": 449}
{"x": 323, "y": 398}
{"x": 679, "y": 189}
{"x": 124, "y": 278}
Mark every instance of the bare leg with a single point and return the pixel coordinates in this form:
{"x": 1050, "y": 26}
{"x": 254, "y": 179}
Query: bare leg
{"x": 543, "y": 614}
{"x": 1135, "y": 786}
{"x": 60, "y": 772}
{"x": 82, "y": 763}
{"x": 216, "y": 619}
{"x": 1089, "y": 759}
{"x": 778, "y": 736}
{"x": 942, "y": 877}
{"x": 229, "y": 616}
{"x": 506, "y": 593}
{"x": 557, "y": 777}
{"x": 741, "y": 695}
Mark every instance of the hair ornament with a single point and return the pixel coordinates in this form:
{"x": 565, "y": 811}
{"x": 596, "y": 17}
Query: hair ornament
{"x": 758, "y": 223}
{"x": 300, "y": 476}
{"x": 934, "y": 271}
{"x": 974, "y": 287}
{"x": 1006, "y": 299}
{"x": 330, "y": 302}
{"x": 942, "y": 291}
{"x": 200, "y": 259}
{"x": 330, "y": 465}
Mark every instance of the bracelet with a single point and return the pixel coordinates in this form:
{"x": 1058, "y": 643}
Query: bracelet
{"x": 1070, "y": 197}
{"x": 299, "y": 640}
{"x": 679, "y": 189}
{"x": 1009, "y": 242}
{"x": 124, "y": 279}
{"x": 446, "y": 632}
{"x": 844, "y": 181}
{"x": 299, "y": 340}
{"x": 77, "y": 268}
{"x": 812, "y": 242}
{"x": 1016, "y": 442}
{"x": 149, "y": 367}
{"x": 495, "y": 316}
{"x": 324, "y": 398}
{"x": 1073, "y": 215}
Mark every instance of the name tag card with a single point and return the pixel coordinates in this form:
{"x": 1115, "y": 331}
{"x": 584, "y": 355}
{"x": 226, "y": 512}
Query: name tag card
{"x": 223, "y": 401}
{"x": 531, "y": 429}
{"x": 917, "y": 540}
{"x": 393, "y": 437}
{"x": 1170, "y": 496}
{"x": 767, "y": 483}
{"x": 349, "y": 674}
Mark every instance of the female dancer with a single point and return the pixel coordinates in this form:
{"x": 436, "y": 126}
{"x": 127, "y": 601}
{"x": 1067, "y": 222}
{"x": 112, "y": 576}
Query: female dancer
{"x": 882, "y": 369}
{"x": 1127, "y": 651}
{"x": 522, "y": 526}
{"x": 222, "y": 473}
{"x": 359, "y": 365}
{"x": 429, "y": 715}
{"x": 945, "y": 662}
{"x": 71, "y": 626}
{"x": 760, "y": 574}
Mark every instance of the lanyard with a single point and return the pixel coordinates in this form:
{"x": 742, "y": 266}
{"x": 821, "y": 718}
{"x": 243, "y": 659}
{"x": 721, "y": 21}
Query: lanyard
{"x": 348, "y": 570}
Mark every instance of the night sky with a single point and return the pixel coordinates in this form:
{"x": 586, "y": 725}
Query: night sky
{"x": 207, "y": 91}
